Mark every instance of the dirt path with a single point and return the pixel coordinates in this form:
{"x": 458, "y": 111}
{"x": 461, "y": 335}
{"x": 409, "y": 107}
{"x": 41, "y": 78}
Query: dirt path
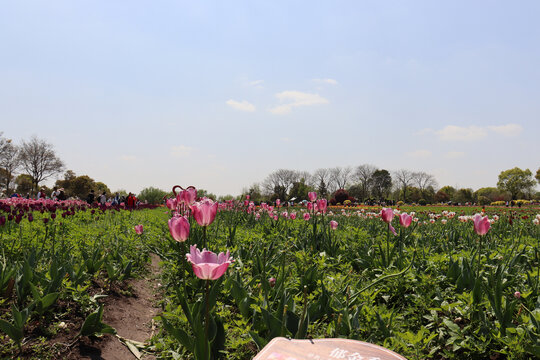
{"x": 130, "y": 316}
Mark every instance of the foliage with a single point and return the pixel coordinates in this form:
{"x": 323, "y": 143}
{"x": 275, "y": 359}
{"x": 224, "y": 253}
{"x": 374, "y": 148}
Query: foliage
{"x": 516, "y": 181}
{"x": 381, "y": 183}
{"x": 152, "y": 195}
{"x": 39, "y": 160}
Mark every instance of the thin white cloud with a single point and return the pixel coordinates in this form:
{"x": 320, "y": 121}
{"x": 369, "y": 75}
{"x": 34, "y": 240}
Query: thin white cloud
{"x": 458, "y": 133}
{"x": 181, "y": 151}
{"x": 419, "y": 154}
{"x": 454, "y": 154}
{"x": 296, "y": 99}
{"x": 326, "y": 81}
{"x": 127, "y": 158}
{"x": 509, "y": 130}
{"x": 256, "y": 83}
{"x": 425, "y": 131}
{"x": 241, "y": 105}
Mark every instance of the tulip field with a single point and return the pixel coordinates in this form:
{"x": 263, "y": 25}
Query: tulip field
{"x": 425, "y": 282}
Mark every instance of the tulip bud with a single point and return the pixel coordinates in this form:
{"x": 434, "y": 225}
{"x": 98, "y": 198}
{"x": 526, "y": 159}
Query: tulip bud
{"x": 272, "y": 281}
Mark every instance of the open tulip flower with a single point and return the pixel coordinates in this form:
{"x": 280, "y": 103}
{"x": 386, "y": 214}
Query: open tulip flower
{"x": 139, "y": 229}
{"x": 204, "y": 211}
{"x": 481, "y": 224}
{"x": 321, "y": 205}
{"x": 179, "y": 228}
{"x": 333, "y": 224}
{"x": 405, "y": 220}
{"x": 188, "y": 196}
{"x": 387, "y": 215}
{"x": 206, "y": 264}
{"x": 312, "y": 196}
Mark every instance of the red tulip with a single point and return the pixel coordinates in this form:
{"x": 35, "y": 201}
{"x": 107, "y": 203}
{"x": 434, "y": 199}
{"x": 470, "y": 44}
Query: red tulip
{"x": 204, "y": 211}
{"x": 207, "y": 265}
{"x": 179, "y": 228}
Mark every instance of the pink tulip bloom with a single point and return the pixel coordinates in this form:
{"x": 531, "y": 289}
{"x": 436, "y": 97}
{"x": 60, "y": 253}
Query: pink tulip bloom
{"x": 481, "y": 224}
{"x": 321, "y": 205}
{"x": 392, "y": 229}
{"x": 307, "y": 216}
{"x": 312, "y": 196}
{"x": 309, "y": 206}
{"x": 179, "y": 228}
{"x": 171, "y": 204}
{"x": 387, "y": 215}
{"x": 293, "y": 216}
{"x": 405, "y": 220}
{"x": 187, "y": 196}
{"x": 278, "y": 202}
{"x": 333, "y": 224}
{"x": 204, "y": 211}
{"x": 517, "y": 294}
{"x": 206, "y": 264}
{"x": 139, "y": 229}
{"x": 247, "y": 197}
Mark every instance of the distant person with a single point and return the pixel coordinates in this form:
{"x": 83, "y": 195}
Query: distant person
{"x": 131, "y": 201}
{"x": 54, "y": 194}
{"x": 41, "y": 194}
{"x": 116, "y": 199}
{"x": 61, "y": 195}
{"x": 102, "y": 198}
{"x": 91, "y": 197}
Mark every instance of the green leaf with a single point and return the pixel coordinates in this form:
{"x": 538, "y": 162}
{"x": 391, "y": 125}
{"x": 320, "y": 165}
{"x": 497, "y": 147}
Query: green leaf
{"x": 178, "y": 334}
{"x": 15, "y": 334}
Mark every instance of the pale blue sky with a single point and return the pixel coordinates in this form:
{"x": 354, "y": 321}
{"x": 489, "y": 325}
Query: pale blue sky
{"x": 218, "y": 94}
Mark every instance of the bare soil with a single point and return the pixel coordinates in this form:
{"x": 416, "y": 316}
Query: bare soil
{"x": 131, "y": 316}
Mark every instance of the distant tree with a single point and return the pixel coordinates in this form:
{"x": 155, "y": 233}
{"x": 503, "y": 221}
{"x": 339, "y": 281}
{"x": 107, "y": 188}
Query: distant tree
{"x": 441, "y": 196}
{"x": 449, "y": 190}
{"x": 340, "y": 176}
{"x": 205, "y": 193}
{"x": 538, "y": 175}
{"x": 9, "y": 162}
{"x": 101, "y": 187}
{"x": 516, "y": 181}
{"x": 254, "y": 193}
{"x": 357, "y": 191}
{"x": 76, "y": 186}
{"x": 404, "y": 179}
{"x": 424, "y": 181}
{"x": 24, "y": 184}
{"x": 340, "y": 196}
{"x": 363, "y": 175}
{"x": 492, "y": 193}
{"x": 300, "y": 190}
{"x": 463, "y": 196}
{"x": 322, "y": 178}
{"x": 381, "y": 183}
{"x": 280, "y": 182}
{"x": 152, "y": 195}
{"x": 39, "y": 160}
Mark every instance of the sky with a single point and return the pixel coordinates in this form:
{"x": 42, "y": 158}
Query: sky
{"x": 218, "y": 94}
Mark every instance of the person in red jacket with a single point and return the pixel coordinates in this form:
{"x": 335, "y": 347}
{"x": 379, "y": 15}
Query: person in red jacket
{"x": 131, "y": 201}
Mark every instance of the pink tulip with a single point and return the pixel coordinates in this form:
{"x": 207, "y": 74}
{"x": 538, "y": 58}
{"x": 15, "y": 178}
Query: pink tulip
{"x": 188, "y": 196}
{"x": 278, "y": 202}
{"x": 204, "y": 211}
{"x": 405, "y": 220}
{"x": 321, "y": 205}
{"x": 171, "y": 204}
{"x": 293, "y": 216}
{"x": 309, "y": 206}
{"x": 179, "y": 228}
{"x": 247, "y": 197}
{"x": 272, "y": 281}
{"x": 306, "y": 216}
{"x": 481, "y": 224}
{"x": 312, "y": 196}
{"x": 206, "y": 264}
{"x": 139, "y": 229}
{"x": 333, "y": 224}
{"x": 387, "y": 215}
{"x": 517, "y": 294}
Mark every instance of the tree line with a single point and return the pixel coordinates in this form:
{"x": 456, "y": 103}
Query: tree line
{"x": 368, "y": 184}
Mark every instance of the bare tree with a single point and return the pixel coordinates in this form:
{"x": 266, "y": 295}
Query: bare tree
{"x": 280, "y": 182}
{"x": 340, "y": 176}
{"x": 405, "y": 179}
{"x": 9, "y": 162}
{"x": 322, "y": 181}
{"x": 424, "y": 180}
{"x": 39, "y": 160}
{"x": 364, "y": 174}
